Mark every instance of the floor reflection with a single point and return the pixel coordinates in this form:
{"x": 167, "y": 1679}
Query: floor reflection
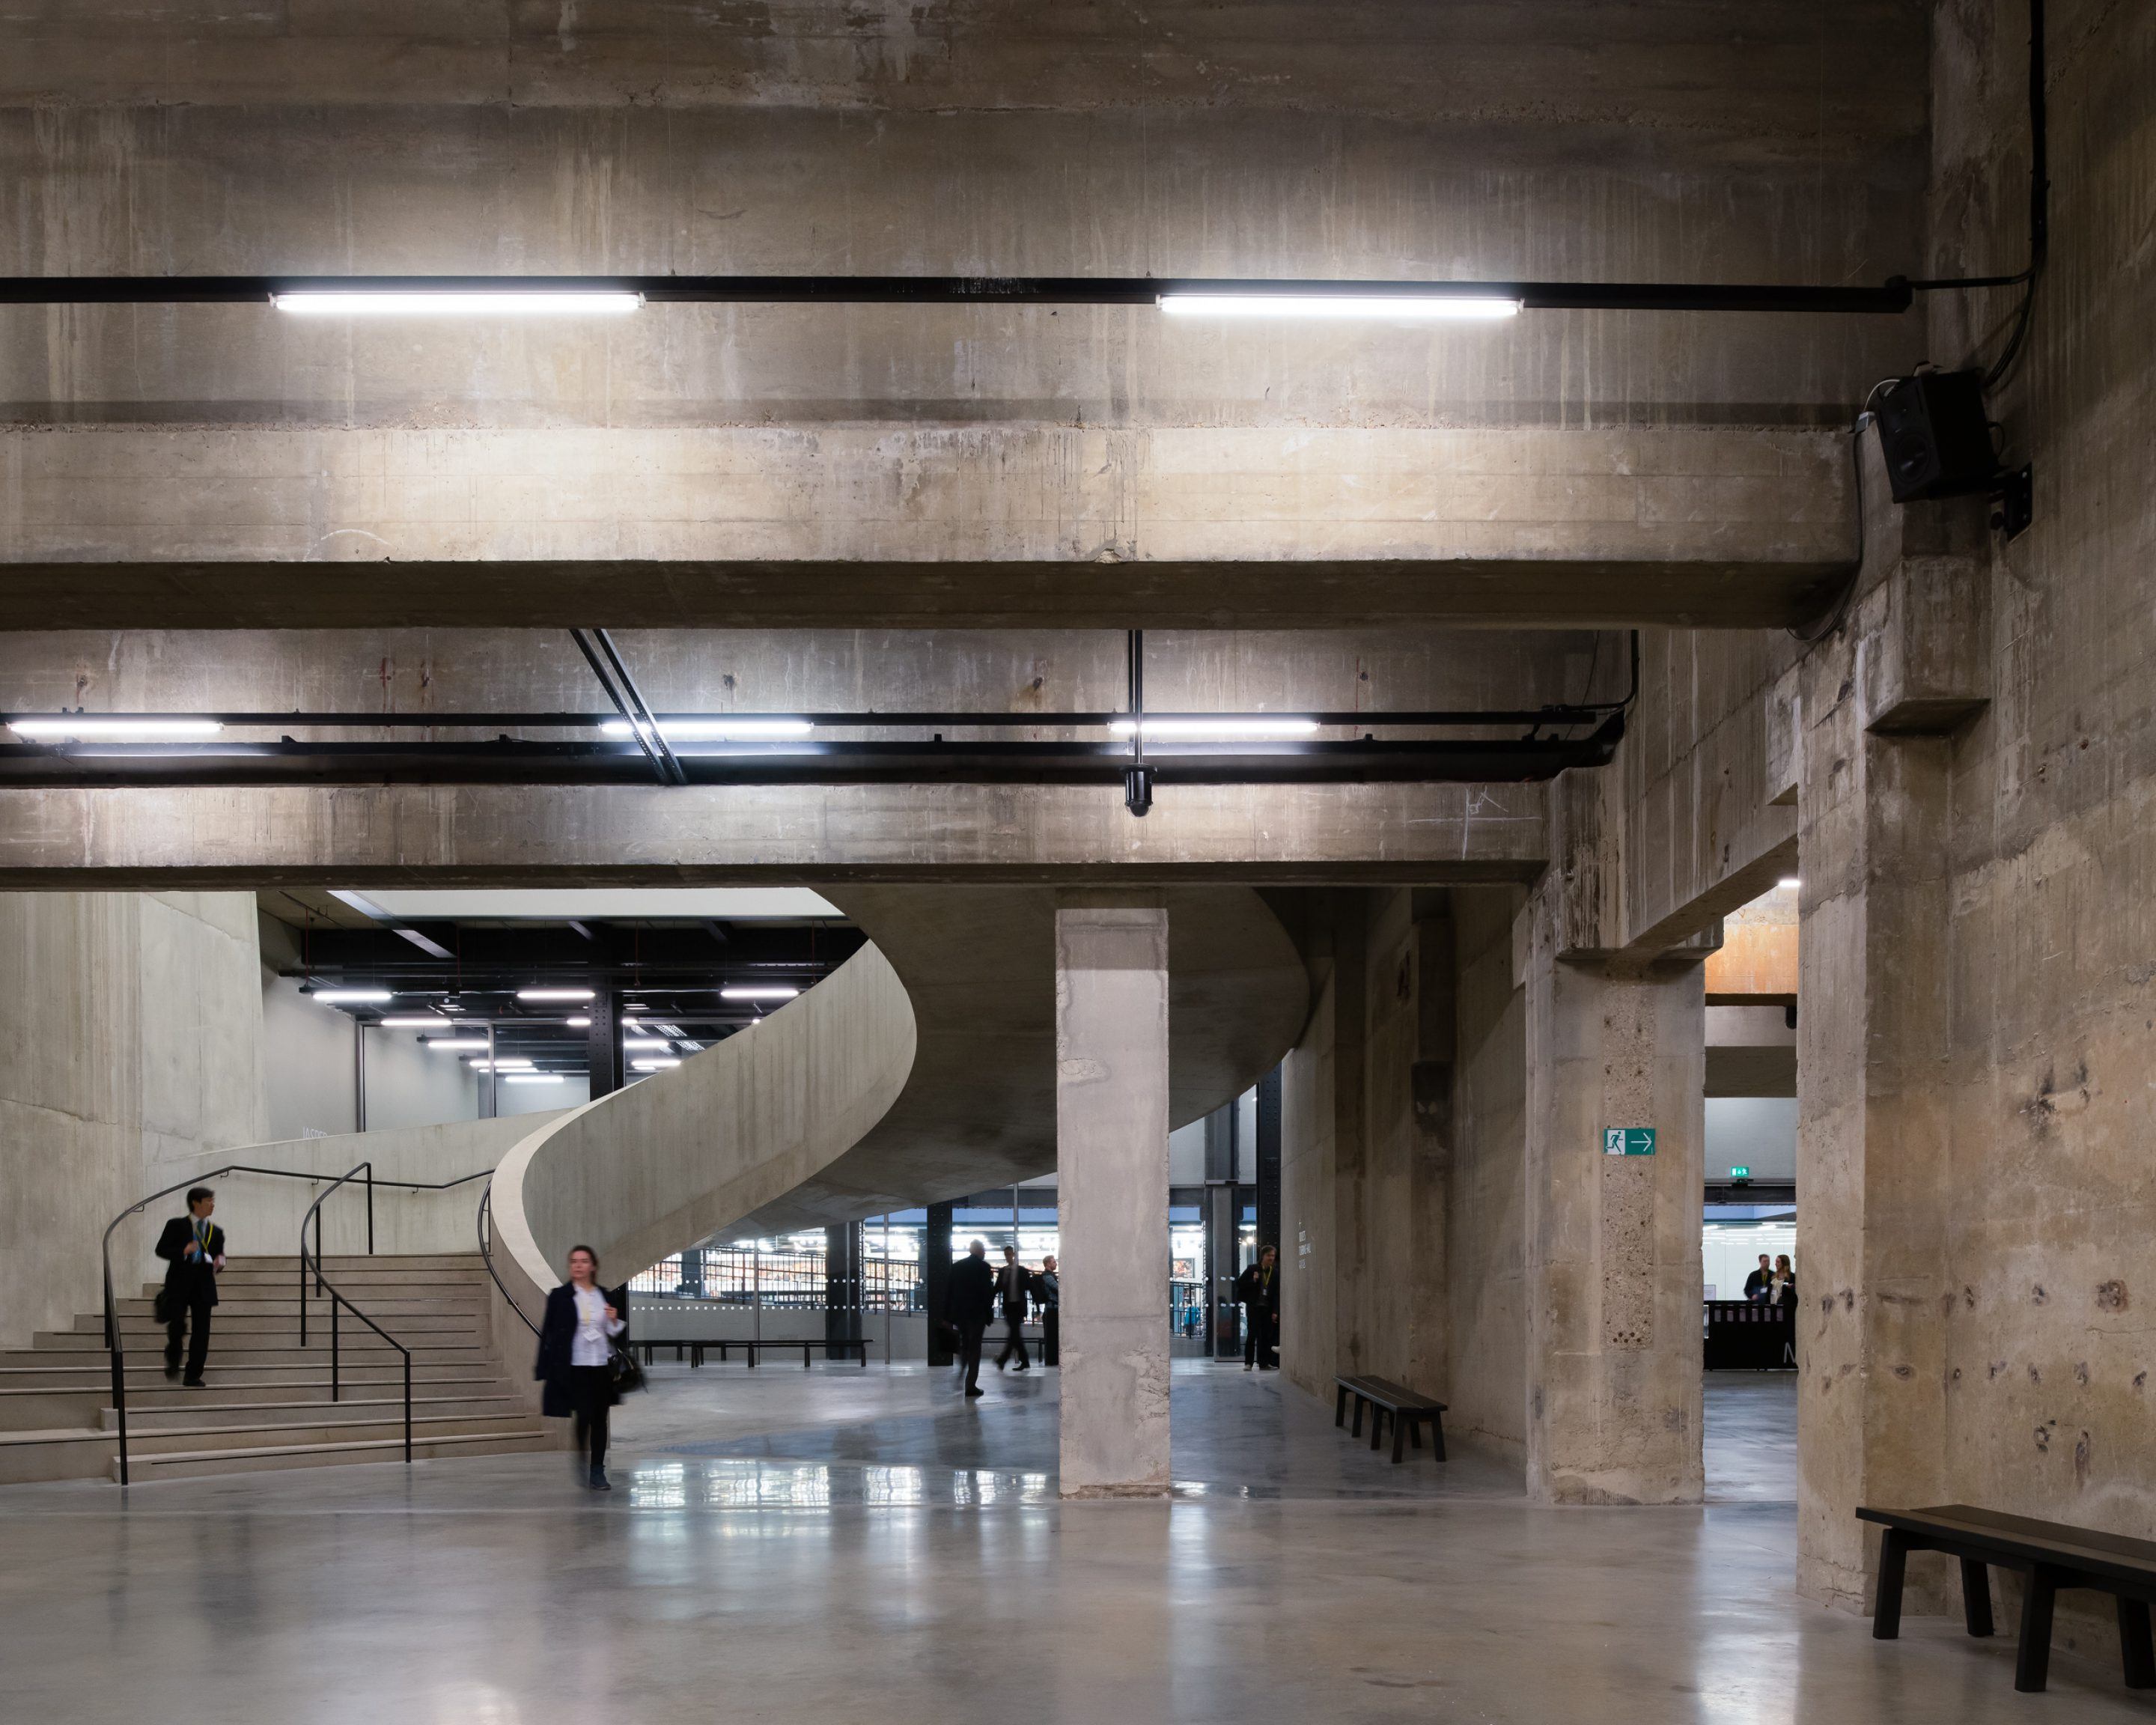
{"x": 716, "y": 1482}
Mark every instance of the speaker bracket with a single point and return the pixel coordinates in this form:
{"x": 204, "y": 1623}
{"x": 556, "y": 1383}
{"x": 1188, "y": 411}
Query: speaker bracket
{"x": 2013, "y": 501}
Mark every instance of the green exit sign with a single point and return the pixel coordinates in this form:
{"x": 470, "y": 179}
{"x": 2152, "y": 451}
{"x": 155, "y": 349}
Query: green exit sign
{"x": 1737, "y": 1171}
{"x": 1628, "y": 1141}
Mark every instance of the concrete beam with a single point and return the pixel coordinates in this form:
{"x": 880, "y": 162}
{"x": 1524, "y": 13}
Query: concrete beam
{"x": 1025, "y": 527}
{"x": 495, "y": 835}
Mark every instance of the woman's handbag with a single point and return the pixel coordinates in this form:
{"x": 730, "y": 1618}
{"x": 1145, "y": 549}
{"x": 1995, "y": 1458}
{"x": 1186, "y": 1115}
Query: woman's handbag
{"x": 626, "y": 1374}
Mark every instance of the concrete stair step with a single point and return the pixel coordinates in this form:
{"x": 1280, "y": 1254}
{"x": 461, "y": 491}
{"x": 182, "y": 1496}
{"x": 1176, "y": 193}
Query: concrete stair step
{"x": 192, "y": 1463}
{"x": 195, "y": 1414}
{"x": 378, "y": 1307}
{"x": 76, "y": 1452}
{"x": 244, "y": 1322}
{"x": 338, "y": 1263}
{"x": 148, "y": 1375}
{"x": 146, "y": 1354}
{"x": 380, "y": 1422}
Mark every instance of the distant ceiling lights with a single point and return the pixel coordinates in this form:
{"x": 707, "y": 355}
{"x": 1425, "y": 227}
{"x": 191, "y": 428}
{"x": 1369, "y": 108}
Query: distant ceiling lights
{"x": 1386, "y": 308}
{"x": 533, "y": 1078}
{"x": 423, "y": 1021}
{"x": 759, "y": 991}
{"x": 1791, "y": 881}
{"x": 455, "y": 302}
{"x": 79, "y": 729}
{"x": 579, "y": 1023}
{"x": 458, "y": 1044}
{"x": 719, "y": 729}
{"x": 653, "y": 1065}
{"x": 506, "y": 1063}
{"x": 649, "y": 1044}
{"x": 351, "y": 997}
{"x": 543, "y": 994}
{"x": 1250, "y": 730}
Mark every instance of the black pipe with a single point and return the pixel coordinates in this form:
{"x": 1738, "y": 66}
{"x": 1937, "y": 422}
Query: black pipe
{"x": 1890, "y": 296}
{"x": 1558, "y": 713}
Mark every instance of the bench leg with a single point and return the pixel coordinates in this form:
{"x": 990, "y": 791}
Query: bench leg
{"x": 2135, "y": 1643}
{"x": 1893, "y": 1564}
{"x": 1377, "y": 1424}
{"x": 1976, "y": 1596}
{"x": 1437, "y": 1435}
{"x": 1402, "y": 1425}
{"x": 2032, "y": 1663}
{"x": 1414, "y": 1431}
{"x": 1340, "y": 1407}
{"x": 1356, "y": 1430}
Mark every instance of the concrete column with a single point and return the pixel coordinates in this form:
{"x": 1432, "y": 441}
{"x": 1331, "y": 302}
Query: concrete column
{"x": 1111, "y": 1195}
{"x": 1613, "y": 1261}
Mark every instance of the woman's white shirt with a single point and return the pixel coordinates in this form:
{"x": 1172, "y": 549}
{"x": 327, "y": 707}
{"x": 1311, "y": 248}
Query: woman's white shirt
{"x": 594, "y": 1329}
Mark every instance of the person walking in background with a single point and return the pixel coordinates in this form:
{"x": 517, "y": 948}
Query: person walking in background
{"x": 1755, "y": 1284}
{"x": 576, "y": 1358}
{"x": 970, "y": 1301}
{"x": 1013, "y": 1283}
{"x": 192, "y": 1247}
{"x": 1258, "y": 1290}
{"x": 1048, "y": 1290}
{"x": 1782, "y": 1287}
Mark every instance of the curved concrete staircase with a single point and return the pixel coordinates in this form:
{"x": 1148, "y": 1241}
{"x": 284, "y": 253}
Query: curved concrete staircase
{"x": 920, "y": 1070}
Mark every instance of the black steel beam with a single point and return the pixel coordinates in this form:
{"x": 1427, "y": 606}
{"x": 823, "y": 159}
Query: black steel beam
{"x": 1588, "y": 713}
{"x": 513, "y": 762}
{"x": 1891, "y": 296}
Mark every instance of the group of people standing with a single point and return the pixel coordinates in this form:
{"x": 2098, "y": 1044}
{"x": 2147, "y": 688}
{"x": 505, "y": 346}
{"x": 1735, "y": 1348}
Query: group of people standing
{"x": 977, "y": 1289}
{"x": 1773, "y": 1284}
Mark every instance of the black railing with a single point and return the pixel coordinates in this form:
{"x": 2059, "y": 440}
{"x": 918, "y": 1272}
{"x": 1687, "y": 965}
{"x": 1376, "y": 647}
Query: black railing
{"x": 114, "y": 1339}
{"x": 486, "y": 1253}
{"x": 338, "y": 1303}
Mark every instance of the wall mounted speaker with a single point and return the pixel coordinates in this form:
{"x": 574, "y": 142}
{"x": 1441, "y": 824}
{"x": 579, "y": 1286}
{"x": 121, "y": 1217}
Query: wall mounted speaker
{"x": 1935, "y": 435}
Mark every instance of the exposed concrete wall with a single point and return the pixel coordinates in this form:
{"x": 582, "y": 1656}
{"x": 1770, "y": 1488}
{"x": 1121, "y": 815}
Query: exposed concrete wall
{"x": 1975, "y": 1021}
{"x": 1309, "y": 1338}
{"x": 129, "y": 1042}
{"x": 1487, "y": 1199}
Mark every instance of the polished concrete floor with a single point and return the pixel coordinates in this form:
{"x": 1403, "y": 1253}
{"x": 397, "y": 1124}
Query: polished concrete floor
{"x": 838, "y": 1545}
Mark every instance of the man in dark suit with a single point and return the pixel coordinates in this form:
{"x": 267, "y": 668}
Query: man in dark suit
{"x": 1048, "y": 1290}
{"x": 1258, "y": 1289}
{"x": 1014, "y": 1281}
{"x": 1755, "y": 1284}
{"x": 969, "y": 1301}
{"x": 192, "y": 1247}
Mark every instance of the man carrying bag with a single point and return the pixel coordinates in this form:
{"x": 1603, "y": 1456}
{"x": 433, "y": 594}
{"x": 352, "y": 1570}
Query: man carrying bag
{"x": 192, "y": 1247}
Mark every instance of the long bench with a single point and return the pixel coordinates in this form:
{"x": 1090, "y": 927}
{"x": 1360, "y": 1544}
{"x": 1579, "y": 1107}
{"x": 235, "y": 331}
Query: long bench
{"x": 1408, "y": 1410}
{"x": 2050, "y": 1554}
{"x": 695, "y": 1349}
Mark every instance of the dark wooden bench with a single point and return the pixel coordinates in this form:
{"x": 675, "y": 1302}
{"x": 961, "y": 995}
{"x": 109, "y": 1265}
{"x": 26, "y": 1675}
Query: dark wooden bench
{"x": 2050, "y": 1554}
{"x": 695, "y": 1349}
{"x": 1408, "y": 1411}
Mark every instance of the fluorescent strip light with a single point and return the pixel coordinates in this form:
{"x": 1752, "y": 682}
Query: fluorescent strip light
{"x": 579, "y": 1023}
{"x": 82, "y": 729}
{"x": 653, "y": 1066}
{"x": 719, "y": 729}
{"x": 428, "y": 1022}
{"x": 507, "y": 1063}
{"x": 453, "y": 302}
{"x": 1790, "y": 881}
{"x": 1396, "y": 308}
{"x": 351, "y": 997}
{"x": 630, "y": 1024}
{"x": 1250, "y": 729}
{"x": 533, "y": 1078}
{"x": 553, "y": 994}
{"x": 458, "y": 1044}
{"x": 651, "y": 1044}
{"x": 759, "y": 991}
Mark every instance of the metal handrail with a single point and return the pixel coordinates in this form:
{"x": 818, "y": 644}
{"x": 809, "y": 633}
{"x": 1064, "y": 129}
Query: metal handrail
{"x": 486, "y": 1253}
{"x": 314, "y": 1211}
{"x": 323, "y": 1285}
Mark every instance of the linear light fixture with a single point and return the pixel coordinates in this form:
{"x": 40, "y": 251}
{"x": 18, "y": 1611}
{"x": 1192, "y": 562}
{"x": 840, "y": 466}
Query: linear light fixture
{"x": 1250, "y": 730}
{"x": 1791, "y": 881}
{"x": 653, "y": 1066}
{"x": 648, "y": 1044}
{"x": 526, "y": 296}
{"x": 579, "y": 1023}
{"x": 458, "y": 1044}
{"x": 426, "y": 1021}
{"x": 455, "y": 302}
{"x": 759, "y": 991}
{"x": 351, "y": 997}
{"x": 541, "y": 994}
{"x": 1379, "y": 308}
{"x": 79, "y": 729}
{"x": 506, "y": 1063}
{"x": 719, "y": 729}
{"x": 533, "y": 1078}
